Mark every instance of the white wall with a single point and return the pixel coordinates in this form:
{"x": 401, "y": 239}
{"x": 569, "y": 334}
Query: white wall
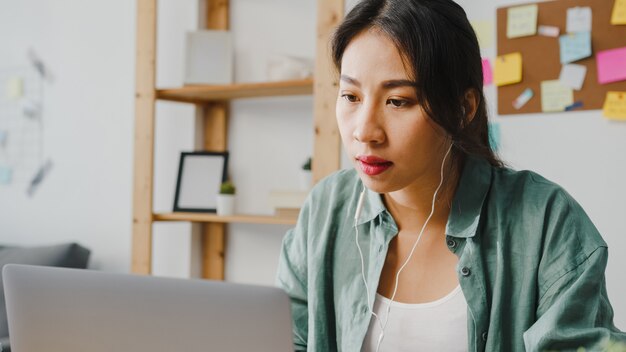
{"x": 89, "y": 46}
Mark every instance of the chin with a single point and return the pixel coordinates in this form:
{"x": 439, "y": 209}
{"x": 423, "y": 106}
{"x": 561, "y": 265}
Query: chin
{"x": 378, "y": 186}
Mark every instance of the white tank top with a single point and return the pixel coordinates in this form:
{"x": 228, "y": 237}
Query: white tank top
{"x": 440, "y": 325}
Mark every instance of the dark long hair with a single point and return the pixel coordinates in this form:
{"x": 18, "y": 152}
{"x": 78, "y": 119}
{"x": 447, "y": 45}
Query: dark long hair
{"x": 440, "y": 47}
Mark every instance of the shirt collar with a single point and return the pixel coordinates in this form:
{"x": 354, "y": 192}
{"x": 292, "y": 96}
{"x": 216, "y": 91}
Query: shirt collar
{"x": 466, "y": 206}
{"x": 469, "y": 198}
{"x": 372, "y": 206}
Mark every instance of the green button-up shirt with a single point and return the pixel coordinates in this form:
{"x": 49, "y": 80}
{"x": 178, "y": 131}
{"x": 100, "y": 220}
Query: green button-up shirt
{"x": 531, "y": 264}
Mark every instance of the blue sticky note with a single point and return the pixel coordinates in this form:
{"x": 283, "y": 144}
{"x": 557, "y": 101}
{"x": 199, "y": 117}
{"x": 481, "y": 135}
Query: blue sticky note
{"x": 494, "y": 135}
{"x": 5, "y": 175}
{"x": 575, "y": 46}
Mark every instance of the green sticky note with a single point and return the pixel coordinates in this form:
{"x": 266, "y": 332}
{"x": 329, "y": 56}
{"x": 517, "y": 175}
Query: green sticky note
{"x": 555, "y": 96}
{"x": 494, "y": 135}
{"x": 14, "y": 88}
{"x": 484, "y": 31}
{"x": 521, "y": 21}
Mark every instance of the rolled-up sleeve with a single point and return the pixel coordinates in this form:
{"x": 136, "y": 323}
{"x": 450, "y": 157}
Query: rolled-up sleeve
{"x": 574, "y": 312}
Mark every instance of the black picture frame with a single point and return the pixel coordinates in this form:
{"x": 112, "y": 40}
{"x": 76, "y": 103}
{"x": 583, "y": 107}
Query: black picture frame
{"x": 200, "y": 175}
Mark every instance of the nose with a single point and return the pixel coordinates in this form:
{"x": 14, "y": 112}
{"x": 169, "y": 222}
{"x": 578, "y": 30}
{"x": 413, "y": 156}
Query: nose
{"x": 368, "y": 129}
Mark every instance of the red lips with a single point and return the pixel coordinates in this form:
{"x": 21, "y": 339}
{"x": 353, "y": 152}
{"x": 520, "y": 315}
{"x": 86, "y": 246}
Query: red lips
{"x": 373, "y": 165}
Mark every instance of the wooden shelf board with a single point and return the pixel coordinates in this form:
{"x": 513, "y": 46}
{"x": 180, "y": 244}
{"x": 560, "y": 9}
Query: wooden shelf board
{"x": 202, "y": 94}
{"x": 239, "y": 218}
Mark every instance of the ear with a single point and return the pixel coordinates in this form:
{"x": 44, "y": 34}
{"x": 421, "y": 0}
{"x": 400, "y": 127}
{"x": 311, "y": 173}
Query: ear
{"x": 470, "y": 103}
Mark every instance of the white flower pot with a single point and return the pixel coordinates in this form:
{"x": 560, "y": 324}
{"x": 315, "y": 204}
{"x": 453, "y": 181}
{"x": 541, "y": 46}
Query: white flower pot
{"x": 225, "y": 204}
{"x": 306, "y": 179}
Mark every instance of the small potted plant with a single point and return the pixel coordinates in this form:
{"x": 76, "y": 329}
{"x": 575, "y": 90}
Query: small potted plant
{"x": 226, "y": 199}
{"x": 306, "y": 178}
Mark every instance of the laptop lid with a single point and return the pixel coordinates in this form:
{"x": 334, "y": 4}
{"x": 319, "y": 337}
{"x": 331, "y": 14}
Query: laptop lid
{"x": 56, "y": 309}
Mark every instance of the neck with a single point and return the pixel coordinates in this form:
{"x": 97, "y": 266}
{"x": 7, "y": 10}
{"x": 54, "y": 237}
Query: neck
{"x": 411, "y": 206}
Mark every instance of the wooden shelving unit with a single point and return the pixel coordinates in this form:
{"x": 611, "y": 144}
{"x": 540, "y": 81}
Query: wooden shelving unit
{"x": 212, "y": 93}
{"x": 239, "y": 218}
{"x": 212, "y": 103}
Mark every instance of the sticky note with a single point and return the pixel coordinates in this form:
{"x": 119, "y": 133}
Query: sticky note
{"x": 575, "y": 46}
{"x": 619, "y": 12}
{"x": 521, "y": 21}
{"x": 494, "y": 135}
{"x": 615, "y": 106}
{"x": 5, "y": 175}
{"x": 508, "y": 69}
{"x": 487, "y": 72}
{"x": 549, "y": 31}
{"x": 523, "y": 98}
{"x": 611, "y": 65}
{"x": 484, "y": 31}
{"x": 14, "y": 88}
{"x": 578, "y": 19}
{"x": 573, "y": 75}
{"x": 555, "y": 96}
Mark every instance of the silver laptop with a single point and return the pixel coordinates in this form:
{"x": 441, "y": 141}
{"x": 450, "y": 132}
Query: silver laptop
{"x": 71, "y": 310}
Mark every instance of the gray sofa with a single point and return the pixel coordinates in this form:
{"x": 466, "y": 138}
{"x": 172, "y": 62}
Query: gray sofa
{"x": 70, "y": 255}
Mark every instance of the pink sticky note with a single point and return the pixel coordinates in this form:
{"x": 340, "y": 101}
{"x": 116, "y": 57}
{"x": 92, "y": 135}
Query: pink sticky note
{"x": 611, "y": 65}
{"x": 487, "y": 73}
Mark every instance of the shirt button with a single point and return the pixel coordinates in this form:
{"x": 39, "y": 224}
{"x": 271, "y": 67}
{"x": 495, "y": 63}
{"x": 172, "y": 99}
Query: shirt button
{"x": 451, "y": 243}
{"x": 465, "y": 271}
{"x": 484, "y": 336}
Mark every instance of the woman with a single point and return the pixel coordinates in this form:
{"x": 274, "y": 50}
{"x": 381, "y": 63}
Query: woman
{"x": 430, "y": 243}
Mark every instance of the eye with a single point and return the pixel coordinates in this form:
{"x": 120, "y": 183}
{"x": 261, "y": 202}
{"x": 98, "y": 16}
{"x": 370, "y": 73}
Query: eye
{"x": 349, "y": 97}
{"x": 398, "y": 103}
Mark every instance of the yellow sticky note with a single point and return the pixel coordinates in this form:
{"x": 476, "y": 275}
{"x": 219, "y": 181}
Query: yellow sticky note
{"x": 484, "y": 31}
{"x": 508, "y": 69}
{"x": 14, "y": 88}
{"x": 615, "y": 106}
{"x": 522, "y": 21}
{"x": 619, "y": 12}
{"x": 555, "y": 96}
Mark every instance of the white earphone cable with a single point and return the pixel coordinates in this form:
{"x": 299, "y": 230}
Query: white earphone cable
{"x": 357, "y": 213}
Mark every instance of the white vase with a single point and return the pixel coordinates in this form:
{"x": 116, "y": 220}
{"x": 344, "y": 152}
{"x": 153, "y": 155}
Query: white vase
{"x": 306, "y": 179}
{"x": 225, "y": 204}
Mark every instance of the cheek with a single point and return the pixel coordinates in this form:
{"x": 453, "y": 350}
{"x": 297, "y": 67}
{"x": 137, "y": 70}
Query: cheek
{"x": 343, "y": 122}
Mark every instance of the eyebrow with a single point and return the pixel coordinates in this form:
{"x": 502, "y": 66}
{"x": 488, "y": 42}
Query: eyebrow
{"x": 394, "y": 83}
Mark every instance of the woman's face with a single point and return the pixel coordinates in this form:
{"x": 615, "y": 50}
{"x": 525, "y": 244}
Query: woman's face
{"x": 386, "y": 133}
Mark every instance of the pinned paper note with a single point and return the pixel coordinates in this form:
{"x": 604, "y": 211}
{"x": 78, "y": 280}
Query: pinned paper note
{"x": 573, "y": 75}
{"x": 611, "y": 65}
{"x": 619, "y": 12}
{"x": 494, "y": 135}
{"x": 14, "y": 88}
{"x": 523, "y": 98}
{"x": 615, "y": 106}
{"x": 549, "y": 31}
{"x": 484, "y": 31}
{"x": 5, "y": 175}
{"x": 575, "y": 46}
{"x": 555, "y": 96}
{"x": 487, "y": 73}
{"x": 578, "y": 19}
{"x": 522, "y": 21}
{"x": 508, "y": 69}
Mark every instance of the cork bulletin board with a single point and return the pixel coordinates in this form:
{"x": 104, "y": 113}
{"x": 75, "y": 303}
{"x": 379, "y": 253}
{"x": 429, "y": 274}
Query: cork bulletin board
{"x": 541, "y": 55}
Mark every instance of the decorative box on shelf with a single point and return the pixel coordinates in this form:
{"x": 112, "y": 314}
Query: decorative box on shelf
{"x": 287, "y": 203}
